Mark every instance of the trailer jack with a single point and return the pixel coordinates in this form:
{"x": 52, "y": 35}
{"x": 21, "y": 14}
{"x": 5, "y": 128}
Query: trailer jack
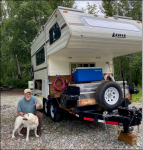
{"x": 135, "y": 117}
{"x": 127, "y": 130}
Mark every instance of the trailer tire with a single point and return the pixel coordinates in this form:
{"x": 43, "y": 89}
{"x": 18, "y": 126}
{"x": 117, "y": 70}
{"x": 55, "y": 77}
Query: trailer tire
{"x": 54, "y": 114}
{"x": 46, "y": 107}
{"x": 109, "y": 95}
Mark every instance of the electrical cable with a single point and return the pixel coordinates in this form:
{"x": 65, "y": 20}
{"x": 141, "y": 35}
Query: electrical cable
{"x": 70, "y": 78}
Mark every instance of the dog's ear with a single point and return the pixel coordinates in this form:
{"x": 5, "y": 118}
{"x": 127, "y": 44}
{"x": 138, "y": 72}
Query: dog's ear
{"x": 33, "y": 119}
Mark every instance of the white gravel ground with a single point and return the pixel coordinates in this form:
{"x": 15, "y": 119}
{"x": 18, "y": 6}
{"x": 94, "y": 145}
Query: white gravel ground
{"x": 70, "y": 133}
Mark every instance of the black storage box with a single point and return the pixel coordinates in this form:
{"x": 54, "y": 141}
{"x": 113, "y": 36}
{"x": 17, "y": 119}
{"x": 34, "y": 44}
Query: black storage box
{"x": 72, "y": 90}
{"x": 68, "y": 101}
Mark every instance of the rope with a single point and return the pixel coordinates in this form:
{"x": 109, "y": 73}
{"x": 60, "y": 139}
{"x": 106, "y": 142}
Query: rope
{"x": 59, "y": 88}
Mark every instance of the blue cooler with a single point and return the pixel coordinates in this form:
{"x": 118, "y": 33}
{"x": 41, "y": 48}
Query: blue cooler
{"x": 86, "y": 74}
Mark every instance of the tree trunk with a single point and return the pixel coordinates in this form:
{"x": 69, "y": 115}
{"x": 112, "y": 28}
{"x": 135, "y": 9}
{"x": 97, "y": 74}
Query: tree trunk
{"x": 18, "y": 67}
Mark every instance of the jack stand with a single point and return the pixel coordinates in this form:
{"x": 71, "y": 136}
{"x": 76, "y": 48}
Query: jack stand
{"x": 127, "y": 136}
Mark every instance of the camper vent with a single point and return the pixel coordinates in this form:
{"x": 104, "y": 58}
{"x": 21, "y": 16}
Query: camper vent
{"x": 123, "y": 17}
{"x": 70, "y": 9}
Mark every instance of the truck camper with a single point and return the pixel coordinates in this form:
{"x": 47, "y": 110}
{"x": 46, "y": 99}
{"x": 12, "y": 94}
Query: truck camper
{"x": 72, "y": 66}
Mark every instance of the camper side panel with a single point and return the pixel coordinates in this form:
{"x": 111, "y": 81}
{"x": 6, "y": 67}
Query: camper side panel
{"x": 62, "y": 65}
{"x": 51, "y": 48}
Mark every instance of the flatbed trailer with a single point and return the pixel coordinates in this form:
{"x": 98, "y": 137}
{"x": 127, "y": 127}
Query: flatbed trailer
{"x": 121, "y": 116}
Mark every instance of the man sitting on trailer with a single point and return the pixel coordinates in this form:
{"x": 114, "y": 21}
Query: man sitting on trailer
{"x": 28, "y": 104}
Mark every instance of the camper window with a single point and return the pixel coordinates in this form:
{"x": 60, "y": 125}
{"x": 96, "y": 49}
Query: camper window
{"x": 54, "y": 33}
{"x": 40, "y": 57}
{"x": 74, "y": 65}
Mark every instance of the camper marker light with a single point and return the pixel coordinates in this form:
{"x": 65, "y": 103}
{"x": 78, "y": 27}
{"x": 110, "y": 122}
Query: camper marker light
{"x": 96, "y": 15}
{"x": 65, "y": 11}
{"x": 56, "y": 15}
{"x": 138, "y": 22}
{"x": 105, "y": 16}
{"x": 116, "y": 18}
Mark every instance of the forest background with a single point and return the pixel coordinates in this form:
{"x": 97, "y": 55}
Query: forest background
{"x": 21, "y": 20}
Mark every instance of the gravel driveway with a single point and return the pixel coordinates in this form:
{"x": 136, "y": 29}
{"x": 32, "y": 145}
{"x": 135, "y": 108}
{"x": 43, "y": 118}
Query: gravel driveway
{"x": 70, "y": 133}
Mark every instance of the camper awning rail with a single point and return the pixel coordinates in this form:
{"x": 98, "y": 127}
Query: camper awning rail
{"x": 123, "y": 17}
{"x": 70, "y": 9}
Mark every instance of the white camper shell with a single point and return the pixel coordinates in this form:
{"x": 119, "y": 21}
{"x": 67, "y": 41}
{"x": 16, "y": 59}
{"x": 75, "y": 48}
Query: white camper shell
{"x": 81, "y": 40}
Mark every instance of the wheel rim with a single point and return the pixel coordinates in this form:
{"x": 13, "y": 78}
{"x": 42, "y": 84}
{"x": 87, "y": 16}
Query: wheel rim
{"x": 45, "y": 107}
{"x": 111, "y": 95}
{"x": 52, "y": 111}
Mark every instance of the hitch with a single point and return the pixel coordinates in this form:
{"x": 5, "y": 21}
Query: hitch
{"x": 133, "y": 116}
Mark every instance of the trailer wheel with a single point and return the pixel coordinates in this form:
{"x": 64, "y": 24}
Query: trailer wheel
{"x": 46, "y": 107}
{"x": 109, "y": 95}
{"x": 55, "y": 115}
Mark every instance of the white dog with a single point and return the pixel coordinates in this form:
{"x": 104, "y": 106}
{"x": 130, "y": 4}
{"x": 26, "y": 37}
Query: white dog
{"x": 30, "y": 121}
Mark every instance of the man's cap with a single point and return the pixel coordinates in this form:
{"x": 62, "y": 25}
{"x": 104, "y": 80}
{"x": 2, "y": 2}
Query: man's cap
{"x": 27, "y": 90}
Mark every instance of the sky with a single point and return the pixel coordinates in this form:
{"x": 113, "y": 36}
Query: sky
{"x": 82, "y": 4}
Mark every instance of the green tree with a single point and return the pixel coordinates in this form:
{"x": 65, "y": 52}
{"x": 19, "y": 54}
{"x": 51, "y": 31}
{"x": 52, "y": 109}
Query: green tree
{"x": 109, "y": 7}
{"x": 63, "y": 3}
{"x": 128, "y": 8}
{"x": 20, "y": 22}
{"x": 90, "y": 9}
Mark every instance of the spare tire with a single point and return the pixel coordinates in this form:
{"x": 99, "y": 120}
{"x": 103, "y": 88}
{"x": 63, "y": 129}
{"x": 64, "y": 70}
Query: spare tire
{"x": 109, "y": 95}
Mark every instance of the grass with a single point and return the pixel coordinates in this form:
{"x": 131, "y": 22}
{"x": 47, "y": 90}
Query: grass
{"x": 87, "y": 141}
{"x": 6, "y": 120}
{"x": 137, "y": 97}
{"x": 11, "y": 102}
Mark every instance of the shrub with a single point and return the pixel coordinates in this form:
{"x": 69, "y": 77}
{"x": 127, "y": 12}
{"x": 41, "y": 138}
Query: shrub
{"x": 16, "y": 82}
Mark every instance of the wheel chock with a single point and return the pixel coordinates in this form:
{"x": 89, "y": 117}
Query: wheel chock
{"x": 128, "y": 138}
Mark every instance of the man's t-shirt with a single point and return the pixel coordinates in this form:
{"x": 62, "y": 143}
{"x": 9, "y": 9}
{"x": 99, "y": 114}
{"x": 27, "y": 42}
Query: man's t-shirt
{"x": 27, "y": 106}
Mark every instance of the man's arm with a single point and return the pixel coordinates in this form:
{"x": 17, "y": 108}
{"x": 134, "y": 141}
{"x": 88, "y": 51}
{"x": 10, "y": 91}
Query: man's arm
{"x": 20, "y": 113}
{"x": 39, "y": 105}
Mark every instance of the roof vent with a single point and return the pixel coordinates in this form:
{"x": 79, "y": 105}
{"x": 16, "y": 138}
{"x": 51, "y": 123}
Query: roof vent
{"x": 123, "y": 17}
